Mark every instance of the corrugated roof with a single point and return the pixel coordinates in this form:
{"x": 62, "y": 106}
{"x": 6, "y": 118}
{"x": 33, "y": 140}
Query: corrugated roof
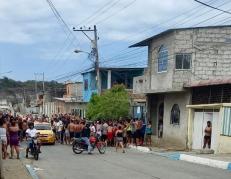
{"x": 147, "y": 41}
{"x": 208, "y": 82}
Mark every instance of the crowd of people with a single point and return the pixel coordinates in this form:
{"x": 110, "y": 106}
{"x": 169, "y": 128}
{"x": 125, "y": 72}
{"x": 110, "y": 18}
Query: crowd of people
{"x": 67, "y": 127}
{"x": 14, "y": 130}
{"x": 115, "y": 133}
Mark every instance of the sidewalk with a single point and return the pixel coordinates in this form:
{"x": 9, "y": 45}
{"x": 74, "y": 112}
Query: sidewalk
{"x": 14, "y": 169}
{"x": 222, "y": 161}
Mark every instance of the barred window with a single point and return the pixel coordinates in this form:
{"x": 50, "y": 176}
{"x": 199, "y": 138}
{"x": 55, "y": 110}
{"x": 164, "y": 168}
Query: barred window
{"x": 162, "y": 59}
{"x": 183, "y": 61}
{"x": 175, "y": 115}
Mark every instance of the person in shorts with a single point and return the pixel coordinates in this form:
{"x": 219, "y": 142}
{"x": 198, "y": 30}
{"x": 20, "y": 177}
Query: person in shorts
{"x": 3, "y": 138}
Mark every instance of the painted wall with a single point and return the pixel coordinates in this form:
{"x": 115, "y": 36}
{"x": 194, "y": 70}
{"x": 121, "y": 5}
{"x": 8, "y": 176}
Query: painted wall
{"x": 91, "y": 87}
{"x": 117, "y": 77}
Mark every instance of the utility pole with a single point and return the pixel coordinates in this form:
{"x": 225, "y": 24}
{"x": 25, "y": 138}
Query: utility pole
{"x": 97, "y": 60}
{"x": 43, "y": 94}
{"x": 36, "y": 87}
{"x": 95, "y": 52}
{"x": 43, "y": 90}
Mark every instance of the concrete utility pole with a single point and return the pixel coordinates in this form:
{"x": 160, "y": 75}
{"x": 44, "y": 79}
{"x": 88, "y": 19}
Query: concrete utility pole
{"x": 43, "y": 94}
{"x": 36, "y": 87}
{"x": 43, "y": 90}
{"x": 95, "y": 52}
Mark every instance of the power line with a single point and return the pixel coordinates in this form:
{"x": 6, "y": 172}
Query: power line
{"x": 186, "y": 13}
{"x": 74, "y": 74}
{"x": 98, "y": 11}
{"x": 170, "y": 20}
{"x": 199, "y": 15}
{"x": 116, "y": 12}
{"x": 103, "y": 12}
{"x": 213, "y": 7}
{"x": 209, "y": 18}
{"x": 160, "y": 24}
{"x": 66, "y": 29}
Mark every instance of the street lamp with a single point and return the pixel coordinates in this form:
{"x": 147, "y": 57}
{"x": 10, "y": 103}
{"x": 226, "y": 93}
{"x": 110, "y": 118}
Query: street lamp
{"x": 80, "y": 51}
{"x": 89, "y": 54}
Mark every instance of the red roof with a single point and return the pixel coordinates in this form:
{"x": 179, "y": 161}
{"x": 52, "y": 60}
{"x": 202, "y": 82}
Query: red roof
{"x": 208, "y": 82}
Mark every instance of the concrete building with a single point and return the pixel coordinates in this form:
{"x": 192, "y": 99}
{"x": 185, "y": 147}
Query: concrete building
{"x": 108, "y": 77}
{"x": 71, "y": 102}
{"x": 187, "y": 83}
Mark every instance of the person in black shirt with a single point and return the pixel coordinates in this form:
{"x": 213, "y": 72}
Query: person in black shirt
{"x": 85, "y": 136}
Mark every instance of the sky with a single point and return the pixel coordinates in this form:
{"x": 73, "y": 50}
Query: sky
{"x": 34, "y": 40}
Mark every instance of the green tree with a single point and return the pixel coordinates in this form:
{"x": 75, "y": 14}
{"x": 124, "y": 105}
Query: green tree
{"x": 112, "y": 104}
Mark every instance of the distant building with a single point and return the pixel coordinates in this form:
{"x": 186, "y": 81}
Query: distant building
{"x": 71, "y": 102}
{"x": 108, "y": 78}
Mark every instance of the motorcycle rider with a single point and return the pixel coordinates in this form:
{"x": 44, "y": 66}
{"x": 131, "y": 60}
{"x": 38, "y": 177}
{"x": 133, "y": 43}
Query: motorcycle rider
{"x": 30, "y": 133}
{"x": 86, "y": 135}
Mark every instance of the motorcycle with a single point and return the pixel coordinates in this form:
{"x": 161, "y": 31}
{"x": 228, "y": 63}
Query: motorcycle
{"x": 34, "y": 149}
{"x": 79, "y": 145}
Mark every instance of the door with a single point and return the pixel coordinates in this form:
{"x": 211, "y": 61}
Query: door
{"x": 200, "y": 122}
{"x": 197, "y": 130}
{"x": 160, "y": 120}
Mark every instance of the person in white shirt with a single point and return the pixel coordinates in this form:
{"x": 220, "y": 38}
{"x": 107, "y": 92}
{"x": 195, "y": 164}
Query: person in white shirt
{"x": 30, "y": 133}
{"x": 60, "y": 128}
{"x": 93, "y": 130}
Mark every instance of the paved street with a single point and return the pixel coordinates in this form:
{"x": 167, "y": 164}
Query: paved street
{"x": 59, "y": 162}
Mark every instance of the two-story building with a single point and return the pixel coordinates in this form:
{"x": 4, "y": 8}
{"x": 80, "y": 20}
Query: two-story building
{"x": 187, "y": 83}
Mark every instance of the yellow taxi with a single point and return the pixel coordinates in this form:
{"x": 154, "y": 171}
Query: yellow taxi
{"x": 46, "y": 135}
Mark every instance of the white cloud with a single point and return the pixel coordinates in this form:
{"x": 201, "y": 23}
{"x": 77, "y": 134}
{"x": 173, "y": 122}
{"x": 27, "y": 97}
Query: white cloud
{"x": 29, "y": 21}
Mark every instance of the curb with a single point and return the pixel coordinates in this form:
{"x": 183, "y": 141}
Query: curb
{"x": 140, "y": 148}
{"x": 28, "y": 167}
{"x": 205, "y": 161}
{"x": 188, "y": 158}
{"x": 32, "y": 172}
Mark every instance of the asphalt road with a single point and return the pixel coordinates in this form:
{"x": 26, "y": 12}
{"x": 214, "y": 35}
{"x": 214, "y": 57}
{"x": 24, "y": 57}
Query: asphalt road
{"x": 59, "y": 162}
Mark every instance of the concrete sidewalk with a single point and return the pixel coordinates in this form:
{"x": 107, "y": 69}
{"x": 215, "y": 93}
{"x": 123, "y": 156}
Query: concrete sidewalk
{"x": 14, "y": 169}
{"x": 222, "y": 161}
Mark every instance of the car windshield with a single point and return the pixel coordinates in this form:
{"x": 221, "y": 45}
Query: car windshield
{"x": 42, "y": 127}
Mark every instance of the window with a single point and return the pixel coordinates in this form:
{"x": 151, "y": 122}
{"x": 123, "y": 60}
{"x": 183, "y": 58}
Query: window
{"x": 175, "y": 115}
{"x": 85, "y": 84}
{"x": 226, "y": 126}
{"x": 162, "y": 59}
{"x": 183, "y": 61}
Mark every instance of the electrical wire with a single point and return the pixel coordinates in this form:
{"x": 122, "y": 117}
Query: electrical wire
{"x": 213, "y": 7}
{"x": 103, "y": 12}
{"x": 98, "y": 11}
{"x": 116, "y": 12}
